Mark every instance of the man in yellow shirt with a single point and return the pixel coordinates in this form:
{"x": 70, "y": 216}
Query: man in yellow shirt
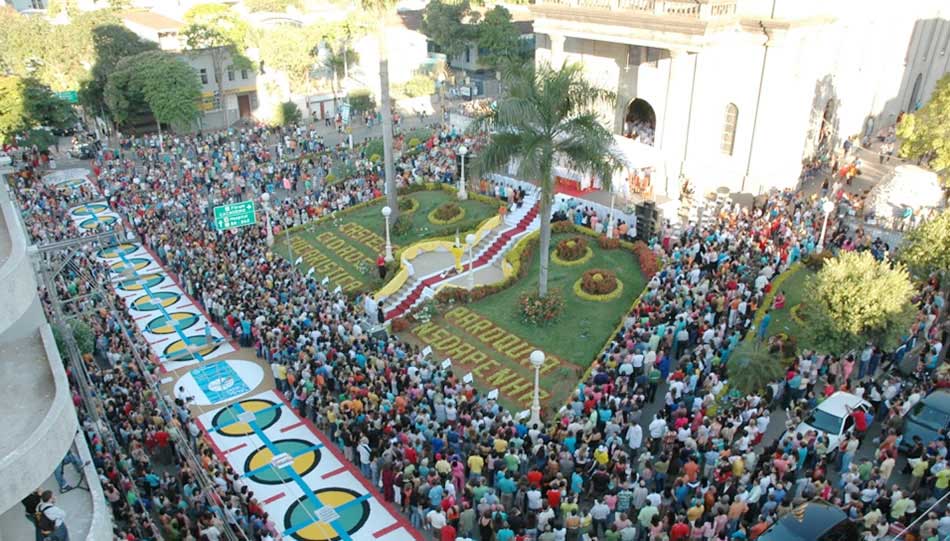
{"x": 475, "y": 465}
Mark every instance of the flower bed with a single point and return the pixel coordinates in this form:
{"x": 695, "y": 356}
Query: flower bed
{"x": 573, "y": 251}
{"x": 446, "y": 213}
{"x": 598, "y": 285}
{"x": 408, "y": 205}
{"x": 537, "y": 310}
{"x": 649, "y": 265}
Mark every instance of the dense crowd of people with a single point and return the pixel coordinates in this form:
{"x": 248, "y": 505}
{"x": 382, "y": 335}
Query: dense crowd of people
{"x": 456, "y": 462}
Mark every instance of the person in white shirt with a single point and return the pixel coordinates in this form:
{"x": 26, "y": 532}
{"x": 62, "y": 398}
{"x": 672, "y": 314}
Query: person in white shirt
{"x": 55, "y": 515}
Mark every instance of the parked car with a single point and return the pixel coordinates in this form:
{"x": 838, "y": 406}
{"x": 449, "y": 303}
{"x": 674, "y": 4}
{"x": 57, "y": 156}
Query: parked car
{"x": 816, "y": 520}
{"x": 832, "y": 417}
{"x": 83, "y": 152}
{"x": 5, "y": 159}
{"x": 927, "y": 418}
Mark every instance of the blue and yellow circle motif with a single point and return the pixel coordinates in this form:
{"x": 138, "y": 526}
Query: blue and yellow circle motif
{"x": 161, "y": 324}
{"x": 178, "y": 350}
{"x": 150, "y": 303}
{"x": 118, "y": 250}
{"x": 98, "y": 221}
{"x": 226, "y": 422}
{"x": 352, "y": 516}
{"x": 136, "y": 263}
{"x": 90, "y": 209}
{"x": 141, "y": 282}
{"x": 305, "y": 458}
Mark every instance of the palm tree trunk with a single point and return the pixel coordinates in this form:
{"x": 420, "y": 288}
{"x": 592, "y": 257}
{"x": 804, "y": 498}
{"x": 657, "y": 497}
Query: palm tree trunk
{"x": 547, "y": 182}
{"x": 387, "y": 123}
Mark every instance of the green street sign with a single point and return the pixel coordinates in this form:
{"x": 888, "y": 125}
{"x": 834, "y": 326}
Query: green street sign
{"x": 69, "y": 95}
{"x": 234, "y": 215}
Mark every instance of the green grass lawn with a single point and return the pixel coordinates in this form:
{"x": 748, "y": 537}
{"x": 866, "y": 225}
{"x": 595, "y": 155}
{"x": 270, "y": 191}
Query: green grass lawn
{"x": 782, "y": 320}
{"x": 574, "y": 340}
{"x": 345, "y": 248}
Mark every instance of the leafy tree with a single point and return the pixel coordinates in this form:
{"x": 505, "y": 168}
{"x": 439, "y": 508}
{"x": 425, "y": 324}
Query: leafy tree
{"x": 442, "y": 22}
{"x": 13, "y": 107}
{"x": 112, "y": 43}
{"x": 499, "y": 36}
{"x": 549, "y": 114}
{"x": 289, "y": 51}
{"x": 167, "y": 86}
{"x": 276, "y": 6}
{"x": 220, "y": 32}
{"x": 926, "y": 133}
{"x": 855, "y": 299}
{"x": 380, "y": 10}
{"x": 419, "y": 85}
{"x": 287, "y": 113}
{"x": 337, "y": 61}
{"x": 361, "y": 101}
{"x": 926, "y": 249}
{"x": 26, "y": 103}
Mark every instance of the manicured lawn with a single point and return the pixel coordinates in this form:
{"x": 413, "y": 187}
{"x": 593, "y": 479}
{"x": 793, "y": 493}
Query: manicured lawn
{"x": 782, "y": 320}
{"x": 345, "y": 248}
{"x": 571, "y": 343}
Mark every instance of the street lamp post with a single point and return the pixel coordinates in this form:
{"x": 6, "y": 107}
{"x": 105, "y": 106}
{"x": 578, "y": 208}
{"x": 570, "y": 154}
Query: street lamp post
{"x": 826, "y": 207}
{"x": 389, "y": 247}
{"x": 610, "y": 217}
{"x": 470, "y": 240}
{"x": 537, "y": 360}
{"x": 265, "y": 199}
{"x": 462, "y": 194}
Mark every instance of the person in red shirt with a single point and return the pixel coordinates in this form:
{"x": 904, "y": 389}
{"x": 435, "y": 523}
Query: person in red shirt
{"x": 534, "y": 477}
{"x": 554, "y": 496}
{"x": 381, "y": 265}
{"x": 447, "y": 533}
{"x": 679, "y": 531}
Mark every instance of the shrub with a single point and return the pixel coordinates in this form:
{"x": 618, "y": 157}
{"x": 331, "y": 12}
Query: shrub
{"x": 539, "y": 311}
{"x": 287, "y": 113}
{"x": 402, "y": 226}
{"x": 649, "y": 265}
{"x": 816, "y": 261}
{"x": 598, "y": 281}
{"x": 361, "y": 100}
{"x": 562, "y": 226}
{"x": 414, "y": 142}
{"x": 419, "y": 85}
{"x": 399, "y": 324}
{"x": 331, "y": 178}
{"x": 608, "y": 244}
{"x": 407, "y": 204}
{"x": 375, "y": 158}
{"x": 446, "y": 213}
{"x": 572, "y": 249}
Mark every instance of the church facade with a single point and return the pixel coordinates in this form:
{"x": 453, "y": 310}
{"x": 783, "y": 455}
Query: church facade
{"x": 737, "y": 93}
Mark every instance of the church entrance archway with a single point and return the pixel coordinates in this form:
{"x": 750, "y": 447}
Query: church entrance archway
{"x": 640, "y": 121}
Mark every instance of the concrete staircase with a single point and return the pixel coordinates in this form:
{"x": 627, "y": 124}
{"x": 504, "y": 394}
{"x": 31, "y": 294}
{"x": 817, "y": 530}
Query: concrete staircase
{"x": 490, "y": 250}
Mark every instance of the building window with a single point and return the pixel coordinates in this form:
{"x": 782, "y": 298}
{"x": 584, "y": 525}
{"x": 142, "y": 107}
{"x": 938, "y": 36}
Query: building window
{"x": 728, "y": 142}
{"x": 244, "y": 74}
{"x": 38, "y": 4}
{"x": 204, "y": 76}
{"x": 230, "y": 73}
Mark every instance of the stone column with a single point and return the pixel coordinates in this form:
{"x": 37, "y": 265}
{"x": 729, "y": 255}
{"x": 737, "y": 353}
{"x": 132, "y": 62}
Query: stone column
{"x": 557, "y": 49}
{"x": 672, "y": 120}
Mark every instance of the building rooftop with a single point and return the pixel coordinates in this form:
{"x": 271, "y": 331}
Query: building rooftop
{"x": 152, "y": 20}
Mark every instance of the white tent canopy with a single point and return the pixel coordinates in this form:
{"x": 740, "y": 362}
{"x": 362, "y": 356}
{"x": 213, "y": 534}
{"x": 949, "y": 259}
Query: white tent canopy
{"x": 907, "y": 186}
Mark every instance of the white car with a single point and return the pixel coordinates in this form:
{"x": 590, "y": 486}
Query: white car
{"x": 832, "y": 417}
{"x": 5, "y": 158}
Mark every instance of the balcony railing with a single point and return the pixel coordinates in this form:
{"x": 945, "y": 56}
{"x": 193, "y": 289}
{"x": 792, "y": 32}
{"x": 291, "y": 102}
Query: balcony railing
{"x": 692, "y": 9}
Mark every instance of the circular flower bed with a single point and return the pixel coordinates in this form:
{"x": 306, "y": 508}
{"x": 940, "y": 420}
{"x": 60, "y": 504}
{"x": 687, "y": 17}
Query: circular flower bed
{"x": 446, "y": 213}
{"x": 540, "y": 311}
{"x": 572, "y": 251}
{"x": 408, "y": 205}
{"x": 598, "y": 285}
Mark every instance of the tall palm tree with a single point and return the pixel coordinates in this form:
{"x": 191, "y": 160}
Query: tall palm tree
{"x": 549, "y": 114}
{"x": 382, "y": 9}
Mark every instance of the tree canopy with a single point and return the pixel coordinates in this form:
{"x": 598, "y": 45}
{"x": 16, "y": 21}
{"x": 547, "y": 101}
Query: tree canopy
{"x": 926, "y": 248}
{"x": 926, "y": 132}
{"x": 168, "y": 87}
{"x": 442, "y": 22}
{"x": 112, "y": 43}
{"x": 855, "y": 299}
{"x": 26, "y": 103}
{"x": 276, "y": 6}
{"x": 498, "y": 36}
